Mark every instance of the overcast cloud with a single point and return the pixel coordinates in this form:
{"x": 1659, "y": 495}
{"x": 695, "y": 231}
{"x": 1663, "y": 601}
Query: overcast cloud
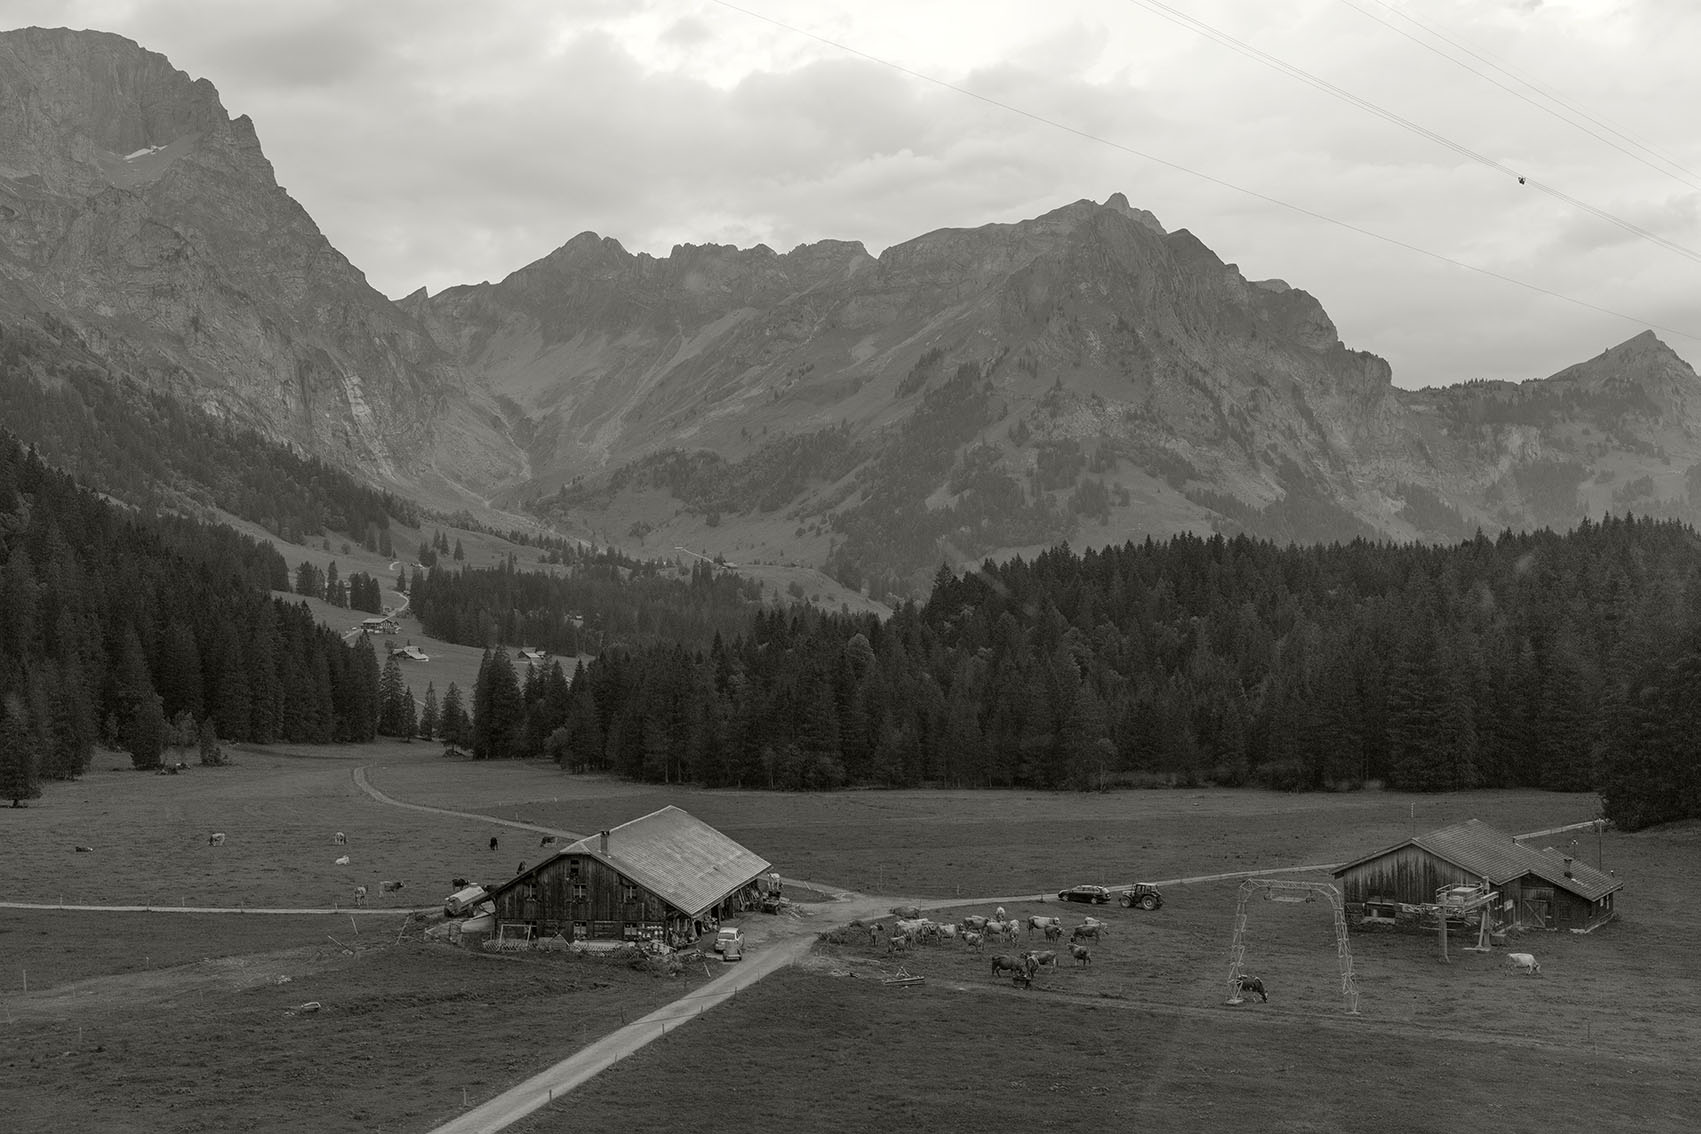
{"x": 441, "y": 142}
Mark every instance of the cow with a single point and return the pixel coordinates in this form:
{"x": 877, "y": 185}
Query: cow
{"x": 85, "y": 850}
{"x": 1054, "y": 933}
{"x": 1004, "y": 929}
{"x": 458, "y": 884}
{"x": 1248, "y": 985}
{"x": 945, "y": 932}
{"x": 339, "y": 839}
{"x": 360, "y": 895}
{"x": 874, "y": 933}
{"x": 216, "y": 839}
{"x": 998, "y": 914}
{"x": 1084, "y": 933}
{"x": 546, "y": 841}
{"x": 1004, "y": 963}
{"x": 493, "y": 842}
{"x": 899, "y": 944}
{"x": 906, "y": 911}
{"x": 343, "y": 861}
{"x": 916, "y": 926}
{"x": 1082, "y": 955}
{"x": 1095, "y": 923}
{"x": 975, "y": 923}
{"x": 1023, "y": 979}
{"x": 1036, "y": 922}
{"x": 390, "y": 887}
{"x": 1523, "y": 962}
{"x": 1043, "y": 958}
{"x": 974, "y": 940}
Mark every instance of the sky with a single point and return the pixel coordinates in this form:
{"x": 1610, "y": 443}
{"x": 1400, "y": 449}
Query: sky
{"x": 1367, "y": 151}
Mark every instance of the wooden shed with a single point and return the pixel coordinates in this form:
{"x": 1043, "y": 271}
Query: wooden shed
{"x": 1539, "y": 889}
{"x": 667, "y": 876}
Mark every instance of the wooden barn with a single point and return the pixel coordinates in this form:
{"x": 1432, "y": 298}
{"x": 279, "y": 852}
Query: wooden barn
{"x": 667, "y": 876}
{"x": 1538, "y": 889}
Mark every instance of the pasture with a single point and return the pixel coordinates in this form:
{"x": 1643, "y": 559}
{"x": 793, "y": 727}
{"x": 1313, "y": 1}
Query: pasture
{"x": 180, "y": 1021}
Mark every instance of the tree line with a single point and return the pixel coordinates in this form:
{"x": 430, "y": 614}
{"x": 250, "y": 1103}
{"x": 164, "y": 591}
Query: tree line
{"x": 138, "y": 631}
{"x": 1560, "y": 661}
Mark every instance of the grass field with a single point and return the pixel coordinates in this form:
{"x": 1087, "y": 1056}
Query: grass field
{"x": 156, "y": 1022}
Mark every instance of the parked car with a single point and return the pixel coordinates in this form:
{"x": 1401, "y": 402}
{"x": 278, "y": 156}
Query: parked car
{"x": 729, "y": 936}
{"x": 734, "y": 950}
{"x": 1098, "y": 895}
{"x": 1142, "y": 894}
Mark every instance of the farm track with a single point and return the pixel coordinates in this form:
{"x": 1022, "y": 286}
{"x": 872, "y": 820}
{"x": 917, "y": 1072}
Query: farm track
{"x": 365, "y": 785}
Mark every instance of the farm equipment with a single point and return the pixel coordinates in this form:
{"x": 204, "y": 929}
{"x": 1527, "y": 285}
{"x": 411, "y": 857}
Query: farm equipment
{"x": 770, "y": 891}
{"x": 1142, "y": 894}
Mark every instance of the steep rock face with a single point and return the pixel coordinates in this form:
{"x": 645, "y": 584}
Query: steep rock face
{"x": 135, "y": 209}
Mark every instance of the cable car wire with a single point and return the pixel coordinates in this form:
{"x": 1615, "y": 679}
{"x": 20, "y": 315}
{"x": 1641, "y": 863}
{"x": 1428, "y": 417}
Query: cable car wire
{"x": 1098, "y": 139}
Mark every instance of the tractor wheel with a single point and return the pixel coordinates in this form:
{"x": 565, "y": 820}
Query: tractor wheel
{"x": 1148, "y": 901}
{"x": 1128, "y": 901}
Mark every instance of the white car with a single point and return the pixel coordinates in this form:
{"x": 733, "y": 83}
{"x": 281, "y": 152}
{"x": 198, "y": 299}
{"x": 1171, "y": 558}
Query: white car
{"x": 729, "y": 936}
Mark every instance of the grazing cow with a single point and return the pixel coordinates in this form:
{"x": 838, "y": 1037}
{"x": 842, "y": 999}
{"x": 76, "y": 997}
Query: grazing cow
{"x": 1043, "y": 958}
{"x": 216, "y": 839}
{"x": 547, "y": 841}
{"x": 974, "y": 940}
{"x": 1523, "y": 962}
{"x": 975, "y": 923}
{"x": 339, "y": 839}
{"x": 1250, "y": 985}
{"x": 1095, "y": 923}
{"x": 493, "y": 842}
{"x": 1004, "y": 963}
{"x": 1084, "y": 933}
{"x": 1043, "y": 922}
{"x": 360, "y": 895}
{"x": 906, "y": 911}
{"x": 1054, "y": 933}
{"x": 898, "y": 944}
{"x": 343, "y": 861}
{"x": 915, "y": 926}
{"x": 1024, "y": 979}
{"x": 945, "y": 932}
{"x": 1082, "y": 955}
{"x": 390, "y": 887}
{"x": 85, "y": 850}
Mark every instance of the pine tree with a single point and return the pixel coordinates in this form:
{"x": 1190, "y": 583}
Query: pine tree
{"x": 459, "y": 554}
{"x": 456, "y": 730}
{"x": 428, "y": 718}
{"x": 393, "y": 699}
{"x": 18, "y": 757}
{"x": 409, "y": 718}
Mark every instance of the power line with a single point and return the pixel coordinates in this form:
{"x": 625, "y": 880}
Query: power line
{"x": 1684, "y": 175}
{"x": 1175, "y": 16}
{"x": 1214, "y": 180}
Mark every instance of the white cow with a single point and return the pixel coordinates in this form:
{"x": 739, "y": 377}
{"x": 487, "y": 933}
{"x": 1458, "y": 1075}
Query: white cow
{"x": 216, "y": 839}
{"x": 1523, "y": 962}
{"x": 360, "y": 895}
{"x": 343, "y": 861}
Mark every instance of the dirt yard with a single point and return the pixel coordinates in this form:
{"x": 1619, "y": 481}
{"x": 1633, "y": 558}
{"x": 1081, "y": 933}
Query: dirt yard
{"x": 181, "y": 1022}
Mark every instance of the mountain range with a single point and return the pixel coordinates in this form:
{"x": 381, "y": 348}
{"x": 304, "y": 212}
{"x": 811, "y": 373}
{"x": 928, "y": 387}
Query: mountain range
{"x": 1084, "y": 376}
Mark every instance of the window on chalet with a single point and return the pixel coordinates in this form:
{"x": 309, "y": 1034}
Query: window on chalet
{"x": 628, "y": 891}
{"x": 581, "y": 892}
{"x": 573, "y": 870}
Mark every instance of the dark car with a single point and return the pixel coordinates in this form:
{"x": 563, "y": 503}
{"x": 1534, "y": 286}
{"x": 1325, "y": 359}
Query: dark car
{"x": 1098, "y": 895}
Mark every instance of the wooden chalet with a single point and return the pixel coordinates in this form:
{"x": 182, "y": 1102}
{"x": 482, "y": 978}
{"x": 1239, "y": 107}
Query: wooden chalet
{"x": 667, "y": 876}
{"x": 1537, "y": 889}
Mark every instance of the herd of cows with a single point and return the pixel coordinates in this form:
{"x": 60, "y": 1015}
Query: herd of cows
{"x": 912, "y": 929}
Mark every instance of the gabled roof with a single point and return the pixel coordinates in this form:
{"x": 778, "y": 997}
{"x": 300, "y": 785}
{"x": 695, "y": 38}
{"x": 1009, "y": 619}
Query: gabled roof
{"x": 671, "y": 853}
{"x": 677, "y": 857}
{"x": 1478, "y": 849}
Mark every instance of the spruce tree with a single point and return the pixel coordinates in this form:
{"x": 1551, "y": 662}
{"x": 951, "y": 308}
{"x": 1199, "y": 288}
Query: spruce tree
{"x": 454, "y": 726}
{"x": 393, "y": 699}
{"x": 428, "y": 719}
{"x": 18, "y": 757}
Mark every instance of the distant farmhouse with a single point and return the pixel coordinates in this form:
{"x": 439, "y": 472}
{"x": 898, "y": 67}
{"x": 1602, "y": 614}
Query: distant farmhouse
{"x": 667, "y": 876}
{"x": 380, "y": 626}
{"x": 410, "y": 653}
{"x": 1537, "y": 889}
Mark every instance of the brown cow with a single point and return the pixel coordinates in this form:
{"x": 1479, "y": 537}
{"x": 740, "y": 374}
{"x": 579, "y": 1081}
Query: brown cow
{"x": 1081, "y": 954}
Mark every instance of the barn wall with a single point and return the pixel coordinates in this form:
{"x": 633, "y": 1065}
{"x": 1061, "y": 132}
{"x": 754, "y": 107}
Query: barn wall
{"x": 581, "y": 897}
{"x": 1405, "y": 874}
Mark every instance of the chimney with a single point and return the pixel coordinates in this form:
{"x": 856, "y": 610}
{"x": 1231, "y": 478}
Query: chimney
{"x": 602, "y": 837}
{"x": 1567, "y": 860}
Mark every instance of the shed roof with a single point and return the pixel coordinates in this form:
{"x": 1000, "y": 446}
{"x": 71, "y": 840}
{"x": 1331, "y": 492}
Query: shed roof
{"x": 672, "y": 854}
{"x": 1477, "y": 848}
